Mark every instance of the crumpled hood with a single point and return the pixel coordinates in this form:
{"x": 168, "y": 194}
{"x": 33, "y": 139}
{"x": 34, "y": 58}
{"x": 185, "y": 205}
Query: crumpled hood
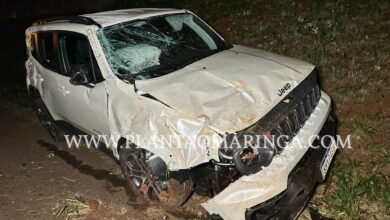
{"x": 232, "y": 89}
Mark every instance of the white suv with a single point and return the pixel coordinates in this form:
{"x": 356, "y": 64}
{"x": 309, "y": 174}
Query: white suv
{"x": 143, "y": 76}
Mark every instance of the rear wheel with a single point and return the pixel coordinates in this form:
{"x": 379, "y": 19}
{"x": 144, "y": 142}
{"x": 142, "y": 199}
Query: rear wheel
{"x": 46, "y": 120}
{"x": 148, "y": 177}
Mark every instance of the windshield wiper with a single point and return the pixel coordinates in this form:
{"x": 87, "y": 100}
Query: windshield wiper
{"x": 199, "y": 57}
{"x": 160, "y": 72}
{"x": 127, "y": 75}
{"x": 131, "y": 77}
{"x": 175, "y": 67}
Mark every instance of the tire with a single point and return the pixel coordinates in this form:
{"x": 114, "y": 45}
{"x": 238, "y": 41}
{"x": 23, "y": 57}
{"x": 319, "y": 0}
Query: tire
{"x": 46, "y": 120}
{"x": 174, "y": 188}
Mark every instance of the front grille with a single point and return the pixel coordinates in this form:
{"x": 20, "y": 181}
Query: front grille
{"x": 285, "y": 120}
{"x": 290, "y": 125}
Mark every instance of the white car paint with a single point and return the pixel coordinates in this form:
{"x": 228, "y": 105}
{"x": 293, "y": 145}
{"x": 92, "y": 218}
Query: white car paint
{"x": 231, "y": 90}
{"x": 220, "y": 94}
{"x": 249, "y": 191}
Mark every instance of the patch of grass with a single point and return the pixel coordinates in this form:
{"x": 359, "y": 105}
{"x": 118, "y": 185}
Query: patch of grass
{"x": 361, "y": 127}
{"x": 386, "y": 156}
{"x": 386, "y": 198}
{"x": 377, "y": 150}
{"x": 366, "y": 124}
{"x": 355, "y": 192}
{"x": 371, "y": 186}
{"x": 376, "y": 117}
{"x": 345, "y": 199}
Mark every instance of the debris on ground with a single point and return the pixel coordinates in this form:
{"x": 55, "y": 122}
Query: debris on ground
{"x": 71, "y": 208}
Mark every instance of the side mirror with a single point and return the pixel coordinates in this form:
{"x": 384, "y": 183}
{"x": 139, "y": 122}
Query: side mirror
{"x": 79, "y": 75}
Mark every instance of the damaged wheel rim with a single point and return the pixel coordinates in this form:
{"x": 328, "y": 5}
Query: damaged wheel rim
{"x": 142, "y": 177}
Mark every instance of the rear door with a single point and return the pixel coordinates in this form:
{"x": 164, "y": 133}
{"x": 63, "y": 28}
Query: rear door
{"x": 47, "y": 67}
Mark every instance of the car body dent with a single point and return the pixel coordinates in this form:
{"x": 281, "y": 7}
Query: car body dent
{"x": 232, "y": 93}
{"x": 249, "y": 191}
{"x": 232, "y": 89}
{"x": 132, "y": 115}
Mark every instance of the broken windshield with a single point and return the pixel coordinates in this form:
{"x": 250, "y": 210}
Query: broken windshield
{"x": 152, "y": 47}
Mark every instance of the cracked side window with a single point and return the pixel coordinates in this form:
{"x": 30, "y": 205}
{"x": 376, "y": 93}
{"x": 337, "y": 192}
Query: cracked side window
{"x": 155, "y": 46}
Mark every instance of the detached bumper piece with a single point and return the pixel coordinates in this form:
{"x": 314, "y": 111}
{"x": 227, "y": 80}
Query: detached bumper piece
{"x": 301, "y": 183}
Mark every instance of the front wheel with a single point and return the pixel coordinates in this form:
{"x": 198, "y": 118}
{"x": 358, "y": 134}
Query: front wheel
{"x": 148, "y": 176}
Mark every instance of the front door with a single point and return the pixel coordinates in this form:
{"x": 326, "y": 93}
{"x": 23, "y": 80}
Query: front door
{"x": 84, "y": 106}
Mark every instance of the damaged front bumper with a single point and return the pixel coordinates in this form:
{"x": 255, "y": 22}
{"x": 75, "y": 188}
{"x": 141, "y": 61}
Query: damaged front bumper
{"x": 301, "y": 183}
{"x": 279, "y": 191}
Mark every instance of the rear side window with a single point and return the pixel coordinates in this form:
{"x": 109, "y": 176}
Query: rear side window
{"x": 48, "y": 50}
{"x": 34, "y": 46}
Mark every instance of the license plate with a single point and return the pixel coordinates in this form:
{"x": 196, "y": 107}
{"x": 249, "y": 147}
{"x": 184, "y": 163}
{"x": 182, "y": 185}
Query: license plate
{"x": 328, "y": 158}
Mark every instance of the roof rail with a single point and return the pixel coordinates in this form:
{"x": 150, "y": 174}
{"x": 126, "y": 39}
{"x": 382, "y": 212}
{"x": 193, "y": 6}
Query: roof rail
{"x": 72, "y": 19}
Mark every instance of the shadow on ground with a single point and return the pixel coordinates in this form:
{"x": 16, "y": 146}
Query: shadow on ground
{"x": 83, "y": 168}
{"x": 99, "y": 174}
{"x": 105, "y": 175}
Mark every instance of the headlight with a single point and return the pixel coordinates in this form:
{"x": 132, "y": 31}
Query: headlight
{"x": 247, "y": 151}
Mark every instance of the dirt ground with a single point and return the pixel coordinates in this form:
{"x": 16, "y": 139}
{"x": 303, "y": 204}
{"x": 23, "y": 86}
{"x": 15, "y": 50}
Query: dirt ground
{"x": 36, "y": 174}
